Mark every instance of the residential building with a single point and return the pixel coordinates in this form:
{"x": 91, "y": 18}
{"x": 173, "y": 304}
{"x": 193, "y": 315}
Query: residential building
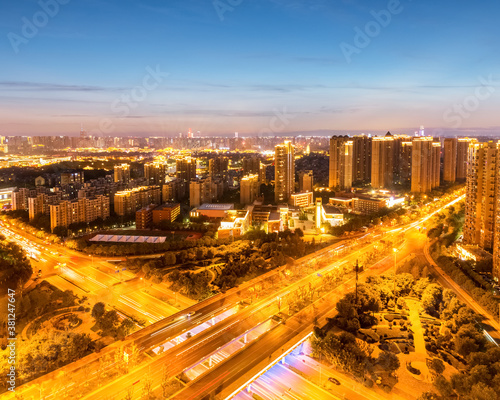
{"x": 425, "y": 164}
{"x": 20, "y": 199}
{"x": 154, "y": 173}
{"x": 129, "y": 201}
{"x": 144, "y": 217}
{"x": 67, "y": 212}
{"x": 166, "y": 212}
{"x": 72, "y": 177}
{"x": 186, "y": 169}
{"x": 462, "y": 154}
{"x": 218, "y": 167}
{"x": 174, "y": 190}
{"x": 341, "y": 162}
{"x": 40, "y": 203}
{"x": 249, "y": 188}
{"x": 306, "y": 181}
{"x": 251, "y": 165}
{"x": 382, "y": 171}
{"x": 284, "y": 174}
{"x": 482, "y": 193}
{"x": 450, "y": 159}
{"x": 362, "y": 156}
{"x": 205, "y": 191}
{"x": 122, "y": 173}
{"x": 405, "y": 162}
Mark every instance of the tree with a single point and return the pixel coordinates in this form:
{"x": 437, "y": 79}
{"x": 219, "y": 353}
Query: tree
{"x": 428, "y": 396}
{"x": 481, "y": 391}
{"x": 468, "y": 340}
{"x": 130, "y": 394}
{"x": 461, "y": 384}
{"x": 126, "y": 326}
{"x": 343, "y": 351}
{"x": 437, "y": 366}
{"x": 420, "y": 286}
{"x": 60, "y": 231}
{"x": 443, "y": 386}
{"x": 389, "y": 361}
{"x": 98, "y": 310}
{"x": 170, "y": 258}
{"x": 485, "y": 265}
{"x": 147, "y": 388}
{"x": 431, "y": 298}
{"x": 165, "y": 382}
{"x": 108, "y": 322}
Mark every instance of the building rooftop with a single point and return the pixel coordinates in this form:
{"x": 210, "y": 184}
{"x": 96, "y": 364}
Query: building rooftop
{"x": 167, "y": 206}
{"x": 218, "y": 207}
{"x": 274, "y": 216}
{"x": 343, "y": 199}
{"x": 332, "y": 210}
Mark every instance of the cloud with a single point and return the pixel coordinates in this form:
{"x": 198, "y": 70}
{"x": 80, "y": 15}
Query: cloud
{"x": 51, "y": 87}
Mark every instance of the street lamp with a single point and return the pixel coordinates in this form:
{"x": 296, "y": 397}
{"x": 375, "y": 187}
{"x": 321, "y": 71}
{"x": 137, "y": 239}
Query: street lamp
{"x": 91, "y": 255}
{"x": 394, "y": 290}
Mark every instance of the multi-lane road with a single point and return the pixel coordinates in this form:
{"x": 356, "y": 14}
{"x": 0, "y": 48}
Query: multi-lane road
{"x": 224, "y": 377}
{"x": 95, "y": 278}
{"x": 180, "y": 341}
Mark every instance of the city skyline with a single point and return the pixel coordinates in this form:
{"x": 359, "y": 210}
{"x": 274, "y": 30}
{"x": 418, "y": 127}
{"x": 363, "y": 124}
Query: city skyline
{"x": 249, "y": 199}
{"x": 263, "y": 67}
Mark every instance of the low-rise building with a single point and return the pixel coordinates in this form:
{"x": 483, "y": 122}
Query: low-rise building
{"x": 367, "y": 205}
{"x": 333, "y": 215}
{"x": 301, "y": 199}
{"x": 212, "y": 211}
{"x": 166, "y": 212}
{"x": 144, "y": 217}
{"x": 235, "y": 224}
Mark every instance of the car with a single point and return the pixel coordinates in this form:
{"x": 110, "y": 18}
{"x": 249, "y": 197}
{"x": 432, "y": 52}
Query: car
{"x": 333, "y": 380}
{"x": 190, "y": 313}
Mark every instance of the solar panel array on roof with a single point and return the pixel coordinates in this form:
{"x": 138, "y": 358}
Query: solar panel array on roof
{"x": 128, "y": 239}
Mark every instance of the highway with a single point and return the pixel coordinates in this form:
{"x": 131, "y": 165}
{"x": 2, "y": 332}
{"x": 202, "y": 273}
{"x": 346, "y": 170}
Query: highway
{"x": 178, "y": 325}
{"x": 282, "y": 383}
{"x": 448, "y": 282}
{"x": 94, "y": 278}
{"x": 186, "y": 352}
{"x": 221, "y": 378}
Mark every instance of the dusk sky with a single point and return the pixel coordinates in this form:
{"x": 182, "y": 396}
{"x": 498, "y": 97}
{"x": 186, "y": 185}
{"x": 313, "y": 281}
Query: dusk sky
{"x": 235, "y": 67}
